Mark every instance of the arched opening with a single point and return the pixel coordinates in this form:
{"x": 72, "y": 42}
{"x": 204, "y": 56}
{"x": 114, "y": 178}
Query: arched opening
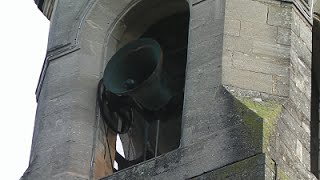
{"x": 167, "y": 22}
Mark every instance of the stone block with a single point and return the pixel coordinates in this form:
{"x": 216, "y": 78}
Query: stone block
{"x": 92, "y": 49}
{"x": 232, "y": 27}
{"x": 205, "y": 52}
{"x": 39, "y": 166}
{"x": 300, "y": 50}
{"x": 92, "y": 32}
{"x": 298, "y": 114}
{"x": 62, "y": 67}
{"x": 260, "y": 65}
{"x": 227, "y": 60}
{"x": 287, "y": 167}
{"x": 296, "y": 21}
{"x": 259, "y": 31}
{"x": 287, "y": 137}
{"x": 284, "y": 36}
{"x": 220, "y": 115}
{"x": 241, "y": 44}
{"x": 113, "y": 6}
{"x": 100, "y": 17}
{"x": 303, "y": 154}
{"x": 71, "y": 157}
{"x": 300, "y": 75}
{"x": 306, "y": 34}
{"x": 194, "y": 107}
{"x": 280, "y": 86}
{"x": 64, "y": 21}
{"x": 250, "y": 168}
{"x": 238, "y": 9}
{"x": 76, "y": 125}
{"x": 206, "y": 32}
{"x": 299, "y": 99}
{"x": 91, "y": 67}
{"x": 211, "y": 10}
{"x": 202, "y": 85}
{"x": 271, "y": 50}
{"x": 81, "y": 85}
{"x": 248, "y": 80}
{"x": 279, "y": 16}
{"x": 62, "y": 158}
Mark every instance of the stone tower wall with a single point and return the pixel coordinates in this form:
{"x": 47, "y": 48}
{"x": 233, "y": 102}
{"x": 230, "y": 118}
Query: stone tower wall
{"x": 246, "y": 110}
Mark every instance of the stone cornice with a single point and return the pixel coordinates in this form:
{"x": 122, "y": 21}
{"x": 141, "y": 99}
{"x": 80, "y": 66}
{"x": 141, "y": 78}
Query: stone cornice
{"x": 53, "y": 54}
{"x": 305, "y": 9}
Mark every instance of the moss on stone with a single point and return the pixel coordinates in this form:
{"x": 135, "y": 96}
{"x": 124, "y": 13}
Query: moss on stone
{"x": 260, "y": 117}
{"x": 281, "y": 175}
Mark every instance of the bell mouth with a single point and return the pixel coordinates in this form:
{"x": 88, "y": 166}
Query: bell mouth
{"x": 132, "y": 66}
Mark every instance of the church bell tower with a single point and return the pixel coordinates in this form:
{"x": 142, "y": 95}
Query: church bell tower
{"x": 178, "y": 89}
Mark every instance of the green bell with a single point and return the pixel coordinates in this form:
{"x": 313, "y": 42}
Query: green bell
{"x": 136, "y": 71}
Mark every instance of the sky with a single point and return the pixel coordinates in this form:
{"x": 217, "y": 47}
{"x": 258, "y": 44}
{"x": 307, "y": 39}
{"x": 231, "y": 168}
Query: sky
{"x": 23, "y": 43}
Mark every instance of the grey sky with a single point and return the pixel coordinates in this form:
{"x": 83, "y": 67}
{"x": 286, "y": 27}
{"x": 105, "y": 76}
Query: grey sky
{"x": 23, "y": 41}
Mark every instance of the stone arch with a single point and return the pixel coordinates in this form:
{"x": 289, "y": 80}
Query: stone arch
{"x": 106, "y": 27}
{"x": 106, "y": 23}
{"x": 132, "y": 26}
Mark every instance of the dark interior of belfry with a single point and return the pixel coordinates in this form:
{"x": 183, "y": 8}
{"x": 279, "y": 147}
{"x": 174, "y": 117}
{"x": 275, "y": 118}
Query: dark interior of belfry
{"x": 315, "y": 78}
{"x": 146, "y": 133}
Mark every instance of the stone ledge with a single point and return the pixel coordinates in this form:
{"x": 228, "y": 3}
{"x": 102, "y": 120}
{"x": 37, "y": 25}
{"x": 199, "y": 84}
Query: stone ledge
{"x": 254, "y": 167}
{"x": 247, "y": 134}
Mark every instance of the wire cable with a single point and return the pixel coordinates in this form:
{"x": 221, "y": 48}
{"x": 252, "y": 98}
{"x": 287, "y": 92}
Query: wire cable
{"x": 110, "y": 117}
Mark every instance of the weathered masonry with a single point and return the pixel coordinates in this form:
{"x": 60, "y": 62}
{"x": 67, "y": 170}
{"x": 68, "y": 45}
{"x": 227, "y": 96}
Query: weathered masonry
{"x": 250, "y": 78}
